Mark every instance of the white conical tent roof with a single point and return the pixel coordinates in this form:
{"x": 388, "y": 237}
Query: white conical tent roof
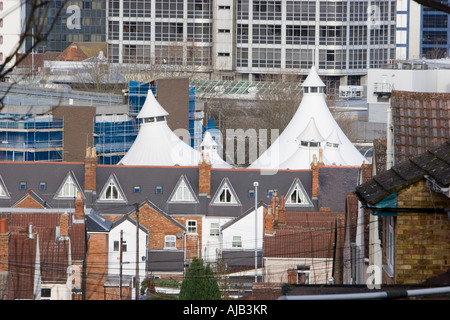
{"x": 313, "y": 105}
{"x": 210, "y": 151}
{"x": 156, "y": 143}
{"x": 313, "y": 79}
{"x": 151, "y": 108}
{"x": 311, "y": 133}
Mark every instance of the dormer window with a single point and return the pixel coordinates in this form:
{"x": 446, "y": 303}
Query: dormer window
{"x": 112, "y": 191}
{"x": 153, "y": 119}
{"x": 332, "y": 145}
{"x": 310, "y": 144}
{"x": 296, "y": 196}
{"x": 313, "y": 89}
{"x": 225, "y": 194}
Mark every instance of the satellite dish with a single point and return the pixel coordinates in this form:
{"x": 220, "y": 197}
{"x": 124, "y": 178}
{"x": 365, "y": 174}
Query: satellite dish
{"x": 178, "y": 235}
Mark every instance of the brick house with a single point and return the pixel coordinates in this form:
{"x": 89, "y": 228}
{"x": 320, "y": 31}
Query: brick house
{"x": 412, "y": 200}
{"x": 42, "y": 252}
{"x": 185, "y": 209}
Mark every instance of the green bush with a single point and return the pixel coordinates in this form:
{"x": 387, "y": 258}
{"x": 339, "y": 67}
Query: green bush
{"x": 199, "y": 283}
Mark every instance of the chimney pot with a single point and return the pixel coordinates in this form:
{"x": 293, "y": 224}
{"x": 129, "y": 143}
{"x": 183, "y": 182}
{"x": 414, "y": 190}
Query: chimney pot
{"x": 4, "y": 226}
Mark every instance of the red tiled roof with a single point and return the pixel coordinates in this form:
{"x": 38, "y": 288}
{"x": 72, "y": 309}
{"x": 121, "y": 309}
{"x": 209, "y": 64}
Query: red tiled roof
{"x": 306, "y": 235}
{"x": 22, "y": 255}
{"x": 421, "y": 121}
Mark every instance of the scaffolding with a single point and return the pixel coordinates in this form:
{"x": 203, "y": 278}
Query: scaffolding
{"x": 113, "y": 138}
{"x": 35, "y": 138}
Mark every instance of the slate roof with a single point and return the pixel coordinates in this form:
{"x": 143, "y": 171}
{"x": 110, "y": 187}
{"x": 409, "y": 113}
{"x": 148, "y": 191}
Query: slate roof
{"x": 148, "y": 178}
{"x": 22, "y": 256}
{"x": 434, "y": 163}
{"x": 33, "y": 173}
{"x": 329, "y": 178}
{"x": 241, "y": 259}
{"x": 165, "y": 260}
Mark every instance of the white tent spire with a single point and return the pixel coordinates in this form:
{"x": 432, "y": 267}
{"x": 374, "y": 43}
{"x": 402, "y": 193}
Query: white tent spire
{"x": 311, "y": 133}
{"x": 210, "y": 150}
{"x": 313, "y": 79}
{"x": 156, "y": 144}
{"x": 151, "y": 108}
{"x": 312, "y": 106}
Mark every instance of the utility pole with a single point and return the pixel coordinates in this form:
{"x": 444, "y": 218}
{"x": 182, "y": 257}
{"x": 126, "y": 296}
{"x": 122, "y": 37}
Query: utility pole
{"x": 255, "y": 184}
{"x": 120, "y": 262}
{"x": 137, "y": 253}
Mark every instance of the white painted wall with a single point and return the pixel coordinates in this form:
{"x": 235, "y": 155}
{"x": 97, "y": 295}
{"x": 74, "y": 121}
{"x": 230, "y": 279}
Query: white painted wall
{"x": 13, "y": 15}
{"x": 211, "y": 245}
{"x": 129, "y": 257}
{"x": 275, "y": 269}
{"x": 431, "y": 80}
{"x": 245, "y": 228}
{"x": 224, "y": 19}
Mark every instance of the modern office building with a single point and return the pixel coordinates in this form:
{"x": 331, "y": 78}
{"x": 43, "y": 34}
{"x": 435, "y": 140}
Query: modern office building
{"x": 76, "y": 21}
{"x": 422, "y": 32}
{"x": 254, "y": 40}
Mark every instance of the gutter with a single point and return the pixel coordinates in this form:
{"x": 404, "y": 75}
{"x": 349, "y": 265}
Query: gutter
{"x": 394, "y": 294}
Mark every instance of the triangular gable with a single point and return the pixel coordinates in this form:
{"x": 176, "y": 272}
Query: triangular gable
{"x": 4, "y": 194}
{"x": 112, "y": 191}
{"x": 31, "y": 200}
{"x": 225, "y": 194}
{"x": 69, "y": 187}
{"x": 297, "y": 196}
{"x": 183, "y": 192}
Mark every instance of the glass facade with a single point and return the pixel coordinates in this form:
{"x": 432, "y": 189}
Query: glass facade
{"x": 269, "y": 36}
{"x": 435, "y": 42}
{"x": 79, "y": 21}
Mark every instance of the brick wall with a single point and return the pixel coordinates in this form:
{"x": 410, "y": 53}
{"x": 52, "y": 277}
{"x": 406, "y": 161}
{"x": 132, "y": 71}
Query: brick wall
{"x": 28, "y": 202}
{"x": 96, "y": 266}
{"x": 160, "y": 226}
{"x": 204, "y": 182}
{"x": 4, "y": 245}
{"x": 193, "y": 241}
{"x": 90, "y": 169}
{"x": 422, "y": 245}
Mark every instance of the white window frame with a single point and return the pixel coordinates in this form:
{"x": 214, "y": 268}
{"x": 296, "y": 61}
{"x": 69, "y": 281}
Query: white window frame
{"x": 69, "y": 189}
{"x": 116, "y": 246}
{"x": 299, "y": 196}
{"x": 182, "y": 193}
{"x": 191, "y": 226}
{"x": 109, "y": 194}
{"x": 237, "y": 242}
{"x": 170, "y": 242}
{"x": 214, "y": 230}
{"x": 305, "y": 274}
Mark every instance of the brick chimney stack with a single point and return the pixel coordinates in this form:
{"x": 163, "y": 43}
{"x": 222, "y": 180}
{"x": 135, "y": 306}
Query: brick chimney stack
{"x": 281, "y": 212}
{"x": 204, "y": 179}
{"x": 64, "y": 225}
{"x": 5, "y": 236}
{"x": 79, "y": 206}
{"x": 268, "y": 222}
{"x": 90, "y": 169}
{"x": 315, "y": 177}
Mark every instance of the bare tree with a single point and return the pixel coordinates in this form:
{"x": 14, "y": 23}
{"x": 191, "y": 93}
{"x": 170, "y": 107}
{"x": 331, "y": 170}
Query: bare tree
{"x": 34, "y": 29}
